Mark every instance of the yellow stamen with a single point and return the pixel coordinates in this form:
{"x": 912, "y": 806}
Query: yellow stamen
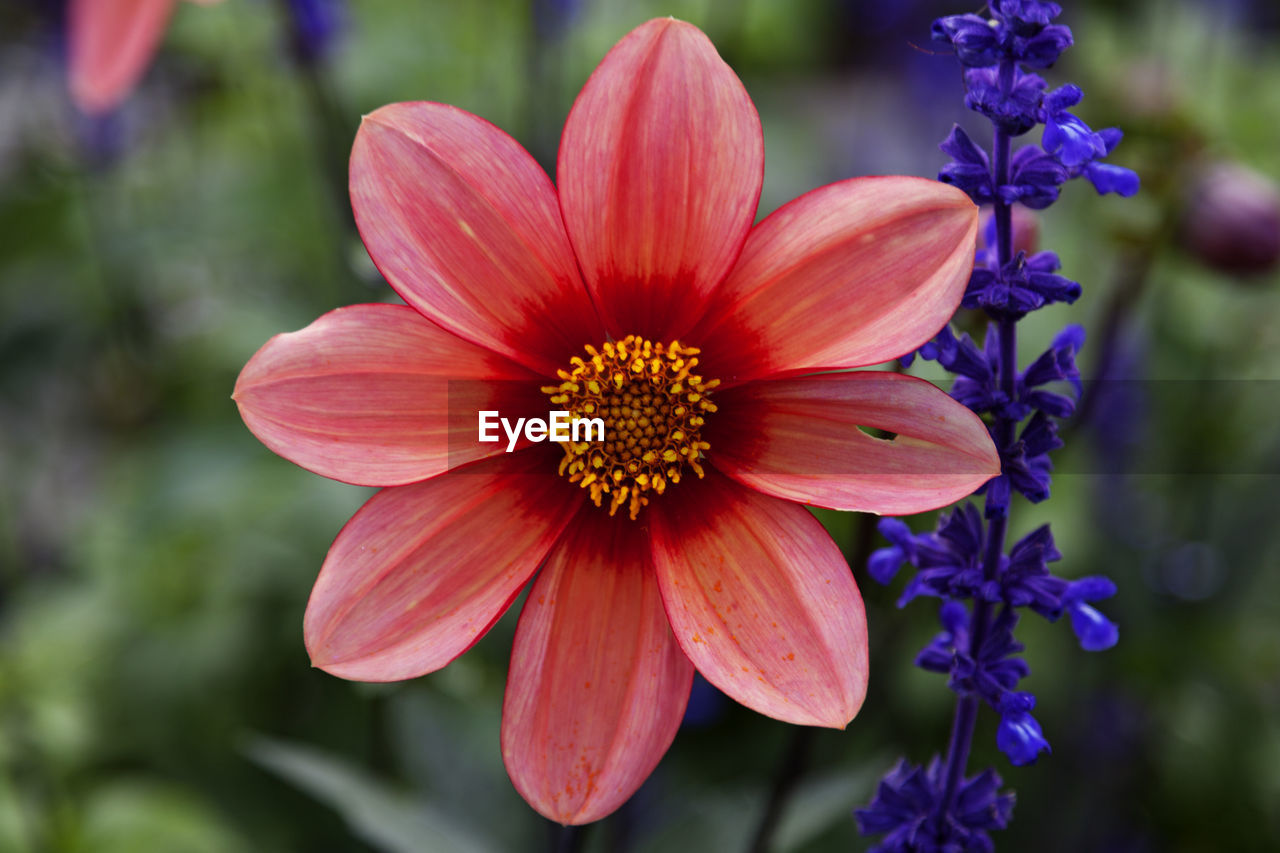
{"x": 653, "y": 408}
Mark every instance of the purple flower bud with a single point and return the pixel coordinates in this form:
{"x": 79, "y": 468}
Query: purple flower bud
{"x": 884, "y": 563}
{"x": 1036, "y": 178}
{"x": 1056, "y": 364}
{"x": 899, "y": 534}
{"x": 974, "y": 39}
{"x": 1044, "y": 48}
{"x": 1232, "y": 220}
{"x": 1019, "y": 735}
{"x": 1094, "y": 631}
{"x": 1073, "y": 141}
{"x": 1042, "y": 280}
{"x": 905, "y": 810}
{"x": 970, "y": 169}
{"x": 940, "y": 654}
{"x": 1015, "y": 110}
{"x": 1026, "y": 17}
{"x": 1063, "y": 98}
{"x": 1112, "y": 179}
{"x": 1025, "y": 580}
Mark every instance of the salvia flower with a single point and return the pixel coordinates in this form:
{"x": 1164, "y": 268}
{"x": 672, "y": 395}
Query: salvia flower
{"x": 1055, "y": 365}
{"x": 1036, "y": 179}
{"x": 909, "y": 810}
{"x": 992, "y": 670}
{"x": 965, "y": 561}
{"x": 1028, "y": 17}
{"x": 1025, "y": 580}
{"x": 1011, "y": 100}
{"x": 1095, "y": 631}
{"x": 111, "y": 43}
{"x": 949, "y": 560}
{"x": 1027, "y": 467}
{"x": 1066, "y": 137}
{"x": 1019, "y": 735}
{"x": 975, "y": 41}
{"x": 1020, "y": 286}
{"x": 969, "y": 169}
{"x": 636, "y": 290}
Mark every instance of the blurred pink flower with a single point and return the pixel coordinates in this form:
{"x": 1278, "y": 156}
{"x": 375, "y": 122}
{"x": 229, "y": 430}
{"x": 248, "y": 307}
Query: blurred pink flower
{"x": 638, "y": 291}
{"x": 111, "y": 43}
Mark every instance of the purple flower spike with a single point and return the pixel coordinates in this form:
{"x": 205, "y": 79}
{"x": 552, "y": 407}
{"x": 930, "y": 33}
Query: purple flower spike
{"x": 965, "y": 560}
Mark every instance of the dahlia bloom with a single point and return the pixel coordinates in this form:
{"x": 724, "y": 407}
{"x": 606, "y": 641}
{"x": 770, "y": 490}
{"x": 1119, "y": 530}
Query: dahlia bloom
{"x": 638, "y": 291}
{"x": 111, "y": 43}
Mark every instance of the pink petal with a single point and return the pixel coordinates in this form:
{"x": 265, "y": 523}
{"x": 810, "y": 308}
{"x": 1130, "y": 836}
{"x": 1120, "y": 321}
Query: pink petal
{"x": 422, "y": 571}
{"x": 466, "y": 227}
{"x": 761, "y": 601}
{"x": 376, "y": 395}
{"x": 851, "y": 274}
{"x": 598, "y": 685}
{"x": 799, "y": 439}
{"x": 110, "y": 45}
{"x": 659, "y": 171}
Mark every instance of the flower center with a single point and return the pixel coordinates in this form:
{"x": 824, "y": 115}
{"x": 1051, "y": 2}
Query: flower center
{"x": 653, "y": 407}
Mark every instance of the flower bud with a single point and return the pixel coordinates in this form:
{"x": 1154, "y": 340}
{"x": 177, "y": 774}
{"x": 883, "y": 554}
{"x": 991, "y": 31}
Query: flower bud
{"x": 1232, "y": 220}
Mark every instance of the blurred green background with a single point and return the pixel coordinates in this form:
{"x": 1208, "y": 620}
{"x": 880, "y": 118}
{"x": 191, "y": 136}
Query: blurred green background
{"x": 155, "y": 559}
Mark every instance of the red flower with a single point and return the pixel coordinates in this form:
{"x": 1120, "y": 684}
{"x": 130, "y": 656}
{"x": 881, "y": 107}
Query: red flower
{"x": 637, "y": 291}
{"x": 111, "y": 43}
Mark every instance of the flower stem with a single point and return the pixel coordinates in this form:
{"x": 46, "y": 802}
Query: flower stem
{"x": 958, "y": 749}
{"x": 967, "y": 706}
{"x": 793, "y": 765}
{"x": 1003, "y": 431}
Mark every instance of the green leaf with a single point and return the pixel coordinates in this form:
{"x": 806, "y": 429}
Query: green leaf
{"x": 386, "y": 818}
{"x": 818, "y": 804}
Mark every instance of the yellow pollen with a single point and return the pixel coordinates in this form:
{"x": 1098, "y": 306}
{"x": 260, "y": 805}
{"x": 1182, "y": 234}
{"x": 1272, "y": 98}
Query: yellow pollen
{"x": 653, "y": 407}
